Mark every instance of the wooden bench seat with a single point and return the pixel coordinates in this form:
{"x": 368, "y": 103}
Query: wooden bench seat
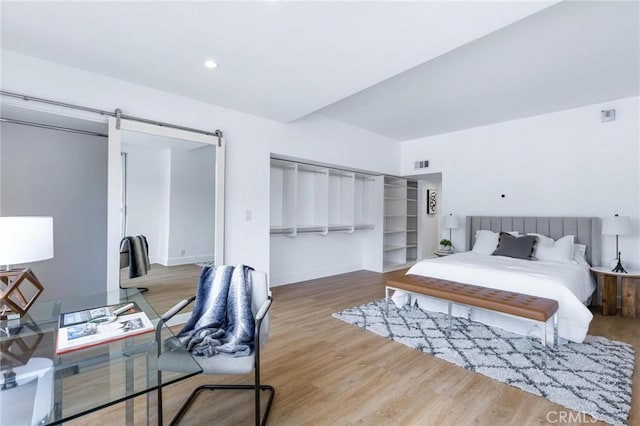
{"x": 533, "y": 308}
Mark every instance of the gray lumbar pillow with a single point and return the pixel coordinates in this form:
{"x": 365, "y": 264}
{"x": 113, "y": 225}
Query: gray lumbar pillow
{"x": 518, "y": 247}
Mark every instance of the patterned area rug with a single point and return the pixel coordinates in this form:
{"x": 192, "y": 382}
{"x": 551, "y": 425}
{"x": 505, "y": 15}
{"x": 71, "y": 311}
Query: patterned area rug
{"x": 594, "y": 377}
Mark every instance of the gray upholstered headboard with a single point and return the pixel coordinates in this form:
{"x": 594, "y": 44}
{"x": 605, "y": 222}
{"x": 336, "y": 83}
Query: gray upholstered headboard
{"x": 587, "y": 230}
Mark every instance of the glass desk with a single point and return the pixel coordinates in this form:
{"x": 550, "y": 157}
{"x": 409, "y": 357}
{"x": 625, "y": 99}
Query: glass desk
{"x": 40, "y": 387}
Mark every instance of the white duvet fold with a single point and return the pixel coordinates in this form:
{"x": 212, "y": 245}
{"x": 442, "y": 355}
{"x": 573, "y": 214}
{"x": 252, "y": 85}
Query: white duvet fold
{"x": 568, "y": 283}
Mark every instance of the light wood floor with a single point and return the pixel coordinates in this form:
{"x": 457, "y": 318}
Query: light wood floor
{"x": 327, "y": 372}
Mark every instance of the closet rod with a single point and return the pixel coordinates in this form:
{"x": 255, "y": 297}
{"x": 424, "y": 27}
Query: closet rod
{"x": 49, "y": 126}
{"x": 218, "y": 133}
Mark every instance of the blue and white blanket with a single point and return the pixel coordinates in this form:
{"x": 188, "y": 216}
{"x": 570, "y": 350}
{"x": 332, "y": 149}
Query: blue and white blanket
{"x": 222, "y": 321}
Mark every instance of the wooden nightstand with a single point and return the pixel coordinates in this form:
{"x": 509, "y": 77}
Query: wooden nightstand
{"x": 630, "y": 291}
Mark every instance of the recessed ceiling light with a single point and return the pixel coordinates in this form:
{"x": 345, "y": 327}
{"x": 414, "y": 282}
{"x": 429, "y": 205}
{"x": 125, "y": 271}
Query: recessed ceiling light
{"x": 210, "y": 64}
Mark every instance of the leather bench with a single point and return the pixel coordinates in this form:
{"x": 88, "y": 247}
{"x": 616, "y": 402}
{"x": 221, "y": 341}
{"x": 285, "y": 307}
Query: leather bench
{"x": 538, "y": 309}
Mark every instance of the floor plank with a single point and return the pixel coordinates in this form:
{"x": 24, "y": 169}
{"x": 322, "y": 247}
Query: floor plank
{"x": 327, "y": 372}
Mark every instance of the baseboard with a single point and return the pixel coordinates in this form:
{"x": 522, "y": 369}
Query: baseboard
{"x": 186, "y": 260}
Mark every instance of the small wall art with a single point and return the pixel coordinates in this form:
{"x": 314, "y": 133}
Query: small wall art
{"x": 432, "y": 201}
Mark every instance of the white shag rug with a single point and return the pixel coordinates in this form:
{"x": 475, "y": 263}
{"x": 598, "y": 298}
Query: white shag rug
{"x": 593, "y": 377}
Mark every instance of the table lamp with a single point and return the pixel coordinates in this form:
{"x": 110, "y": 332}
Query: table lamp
{"x": 617, "y": 225}
{"x": 23, "y": 239}
{"x": 450, "y": 222}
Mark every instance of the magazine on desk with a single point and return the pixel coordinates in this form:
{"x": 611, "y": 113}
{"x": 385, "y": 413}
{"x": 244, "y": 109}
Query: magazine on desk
{"x": 92, "y": 327}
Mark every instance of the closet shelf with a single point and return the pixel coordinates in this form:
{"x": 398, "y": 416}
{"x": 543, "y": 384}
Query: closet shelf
{"x": 310, "y": 229}
{"x": 283, "y": 164}
{"x": 394, "y": 231}
{"x": 343, "y": 173}
{"x": 312, "y": 169}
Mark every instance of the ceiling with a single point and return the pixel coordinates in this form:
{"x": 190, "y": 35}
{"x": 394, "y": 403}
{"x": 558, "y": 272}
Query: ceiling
{"x": 400, "y": 69}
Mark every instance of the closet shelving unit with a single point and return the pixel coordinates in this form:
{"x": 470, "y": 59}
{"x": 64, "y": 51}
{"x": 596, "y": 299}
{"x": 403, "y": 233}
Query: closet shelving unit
{"x": 400, "y": 223}
{"x": 311, "y": 199}
{"x": 412, "y": 221}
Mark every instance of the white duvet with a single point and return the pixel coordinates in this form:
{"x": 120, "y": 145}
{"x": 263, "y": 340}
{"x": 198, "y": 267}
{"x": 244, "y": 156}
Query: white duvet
{"x": 569, "y": 283}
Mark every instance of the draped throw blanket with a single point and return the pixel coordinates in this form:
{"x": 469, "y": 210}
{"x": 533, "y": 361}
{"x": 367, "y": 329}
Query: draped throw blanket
{"x": 134, "y": 253}
{"x": 222, "y": 321}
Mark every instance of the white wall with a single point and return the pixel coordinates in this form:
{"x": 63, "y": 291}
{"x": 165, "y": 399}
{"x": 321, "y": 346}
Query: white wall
{"x": 566, "y": 163}
{"x": 60, "y": 174}
{"x": 147, "y": 197}
{"x": 311, "y": 256}
{"x": 192, "y": 206}
{"x": 430, "y": 224}
{"x": 250, "y": 140}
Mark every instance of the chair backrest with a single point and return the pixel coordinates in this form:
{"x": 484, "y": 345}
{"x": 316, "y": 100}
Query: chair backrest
{"x": 134, "y": 253}
{"x": 259, "y": 295}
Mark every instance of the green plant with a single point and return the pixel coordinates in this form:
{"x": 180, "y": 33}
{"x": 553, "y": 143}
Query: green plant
{"x": 445, "y": 243}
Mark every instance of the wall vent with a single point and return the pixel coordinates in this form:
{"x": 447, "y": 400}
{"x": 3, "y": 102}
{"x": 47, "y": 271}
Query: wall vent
{"x": 422, "y": 164}
{"x": 607, "y": 115}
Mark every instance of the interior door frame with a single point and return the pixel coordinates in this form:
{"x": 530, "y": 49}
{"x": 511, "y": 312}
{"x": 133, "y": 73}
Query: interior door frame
{"x": 114, "y": 186}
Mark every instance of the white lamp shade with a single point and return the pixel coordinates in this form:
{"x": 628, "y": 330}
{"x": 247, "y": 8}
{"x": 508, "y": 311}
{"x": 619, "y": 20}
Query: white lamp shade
{"x": 450, "y": 222}
{"x": 25, "y": 239}
{"x": 616, "y": 225}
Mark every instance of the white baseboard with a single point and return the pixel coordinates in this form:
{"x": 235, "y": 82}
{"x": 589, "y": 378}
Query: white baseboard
{"x": 186, "y": 260}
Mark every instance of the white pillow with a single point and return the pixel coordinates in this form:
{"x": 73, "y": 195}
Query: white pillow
{"x": 542, "y": 239}
{"x": 580, "y": 253}
{"x": 487, "y": 241}
{"x": 560, "y": 251}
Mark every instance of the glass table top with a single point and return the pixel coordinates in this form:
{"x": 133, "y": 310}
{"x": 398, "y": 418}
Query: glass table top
{"x": 51, "y": 389}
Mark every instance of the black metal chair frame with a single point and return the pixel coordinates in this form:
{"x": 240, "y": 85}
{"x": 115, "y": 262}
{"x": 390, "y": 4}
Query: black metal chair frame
{"x": 257, "y": 386}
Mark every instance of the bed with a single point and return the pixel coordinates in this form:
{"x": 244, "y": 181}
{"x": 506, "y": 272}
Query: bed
{"x": 570, "y": 283}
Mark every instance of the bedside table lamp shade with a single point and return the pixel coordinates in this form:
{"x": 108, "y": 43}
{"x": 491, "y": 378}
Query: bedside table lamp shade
{"x": 22, "y": 240}
{"x": 617, "y": 225}
{"x": 450, "y": 222}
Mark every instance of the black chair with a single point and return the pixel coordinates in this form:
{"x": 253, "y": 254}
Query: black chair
{"x": 134, "y": 254}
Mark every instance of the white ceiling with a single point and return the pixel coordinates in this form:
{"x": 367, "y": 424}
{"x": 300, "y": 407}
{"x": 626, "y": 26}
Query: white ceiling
{"x": 382, "y": 66}
{"x": 569, "y": 55}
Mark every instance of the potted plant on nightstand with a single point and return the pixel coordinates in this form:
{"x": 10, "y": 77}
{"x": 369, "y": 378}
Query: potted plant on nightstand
{"x": 445, "y": 245}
